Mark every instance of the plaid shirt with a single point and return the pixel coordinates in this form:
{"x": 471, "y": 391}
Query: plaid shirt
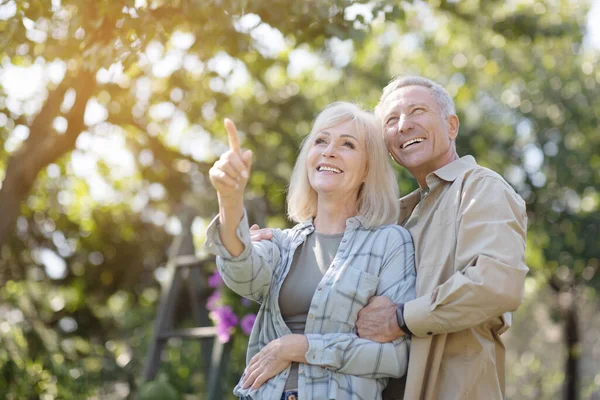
{"x": 341, "y": 365}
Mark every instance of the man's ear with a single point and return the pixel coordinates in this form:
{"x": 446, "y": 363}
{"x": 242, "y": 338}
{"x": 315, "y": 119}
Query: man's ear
{"x": 453, "y": 125}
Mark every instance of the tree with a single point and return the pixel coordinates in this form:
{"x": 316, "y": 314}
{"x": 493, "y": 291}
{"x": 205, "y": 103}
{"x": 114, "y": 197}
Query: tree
{"x": 528, "y": 100}
{"x": 101, "y": 191}
{"x": 112, "y": 240}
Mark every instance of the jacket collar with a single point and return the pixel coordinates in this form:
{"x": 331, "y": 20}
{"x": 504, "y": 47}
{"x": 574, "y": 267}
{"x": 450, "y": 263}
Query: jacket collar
{"x": 448, "y": 172}
{"x": 456, "y": 168}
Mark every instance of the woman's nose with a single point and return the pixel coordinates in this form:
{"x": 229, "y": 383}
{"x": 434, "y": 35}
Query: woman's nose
{"x": 329, "y": 151}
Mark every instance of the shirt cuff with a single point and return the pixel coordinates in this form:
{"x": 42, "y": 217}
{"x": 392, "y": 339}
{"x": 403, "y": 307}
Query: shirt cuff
{"x": 417, "y": 316}
{"x": 317, "y": 354}
{"x": 213, "y": 240}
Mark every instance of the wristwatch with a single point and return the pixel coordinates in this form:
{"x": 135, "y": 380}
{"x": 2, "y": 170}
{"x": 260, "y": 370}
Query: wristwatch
{"x": 400, "y": 318}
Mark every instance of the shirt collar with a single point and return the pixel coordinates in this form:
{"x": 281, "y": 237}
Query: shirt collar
{"x": 410, "y": 200}
{"x": 456, "y": 168}
{"x": 448, "y": 172}
{"x": 352, "y": 222}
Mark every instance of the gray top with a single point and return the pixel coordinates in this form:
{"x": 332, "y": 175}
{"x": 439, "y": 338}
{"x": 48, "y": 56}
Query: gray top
{"x": 311, "y": 261}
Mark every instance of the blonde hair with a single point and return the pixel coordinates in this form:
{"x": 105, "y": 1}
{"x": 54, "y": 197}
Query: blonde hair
{"x": 378, "y": 197}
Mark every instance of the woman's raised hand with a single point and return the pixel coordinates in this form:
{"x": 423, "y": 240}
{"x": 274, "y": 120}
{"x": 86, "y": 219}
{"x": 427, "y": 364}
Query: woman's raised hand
{"x": 229, "y": 175}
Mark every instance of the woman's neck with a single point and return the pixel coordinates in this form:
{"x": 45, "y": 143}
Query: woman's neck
{"x": 332, "y": 213}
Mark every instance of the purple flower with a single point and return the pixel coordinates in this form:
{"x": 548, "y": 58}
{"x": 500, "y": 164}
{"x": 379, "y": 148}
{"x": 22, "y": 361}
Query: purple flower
{"x": 247, "y": 323}
{"x": 213, "y": 301}
{"x": 215, "y": 280}
{"x": 223, "y": 335}
{"x": 226, "y": 316}
{"x": 245, "y": 302}
{"x": 225, "y": 320}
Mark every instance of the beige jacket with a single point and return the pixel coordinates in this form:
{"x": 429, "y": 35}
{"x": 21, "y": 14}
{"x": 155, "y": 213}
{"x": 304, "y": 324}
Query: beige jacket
{"x": 469, "y": 234}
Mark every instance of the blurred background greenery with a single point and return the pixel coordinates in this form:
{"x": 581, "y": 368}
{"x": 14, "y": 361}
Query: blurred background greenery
{"x": 111, "y": 114}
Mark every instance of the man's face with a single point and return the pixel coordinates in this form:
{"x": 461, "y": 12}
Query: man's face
{"x": 417, "y": 135}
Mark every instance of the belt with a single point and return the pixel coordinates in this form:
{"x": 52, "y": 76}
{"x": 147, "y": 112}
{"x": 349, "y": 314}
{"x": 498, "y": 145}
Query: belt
{"x": 290, "y": 395}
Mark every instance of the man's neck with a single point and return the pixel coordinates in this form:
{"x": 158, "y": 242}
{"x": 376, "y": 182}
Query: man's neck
{"x": 422, "y": 173}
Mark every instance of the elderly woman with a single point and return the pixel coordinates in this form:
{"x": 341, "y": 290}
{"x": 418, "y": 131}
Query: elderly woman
{"x": 311, "y": 280}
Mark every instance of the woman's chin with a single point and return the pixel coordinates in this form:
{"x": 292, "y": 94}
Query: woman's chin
{"x": 333, "y": 191}
{"x": 327, "y": 190}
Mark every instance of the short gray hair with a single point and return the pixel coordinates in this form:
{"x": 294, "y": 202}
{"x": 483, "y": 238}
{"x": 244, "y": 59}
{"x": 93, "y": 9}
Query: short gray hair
{"x": 440, "y": 94}
{"x": 378, "y": 199}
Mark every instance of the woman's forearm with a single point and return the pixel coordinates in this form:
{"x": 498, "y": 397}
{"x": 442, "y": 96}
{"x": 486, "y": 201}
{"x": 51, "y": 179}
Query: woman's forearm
{"x": 294, "y": 347}
{"x": 231, "y": 211}
{"x": 229, "y": 176}
{"x": 346, "y": 353}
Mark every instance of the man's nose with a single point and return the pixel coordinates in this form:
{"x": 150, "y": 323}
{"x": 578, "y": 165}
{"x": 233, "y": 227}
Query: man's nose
{"x": 403, "y": 124}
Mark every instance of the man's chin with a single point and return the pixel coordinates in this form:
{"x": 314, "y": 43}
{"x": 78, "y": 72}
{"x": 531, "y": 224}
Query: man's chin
{"x": 410, "y": 163}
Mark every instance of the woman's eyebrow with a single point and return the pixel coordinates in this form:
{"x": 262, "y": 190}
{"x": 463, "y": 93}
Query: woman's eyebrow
{"x": 348, "y": 135}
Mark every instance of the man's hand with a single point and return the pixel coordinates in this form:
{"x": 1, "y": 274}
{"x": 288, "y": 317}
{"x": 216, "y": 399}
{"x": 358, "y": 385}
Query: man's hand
{"x": 257, "y": 234}
{"x": 378, "y": 322}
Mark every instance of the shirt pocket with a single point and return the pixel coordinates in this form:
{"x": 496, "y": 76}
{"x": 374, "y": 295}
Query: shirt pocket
{"x": 437, "y": 246}
{"x": 349, "y": 294}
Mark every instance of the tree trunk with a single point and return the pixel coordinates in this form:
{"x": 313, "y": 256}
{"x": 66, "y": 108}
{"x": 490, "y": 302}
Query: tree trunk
{"x": 42, "y": 147}
{"x": 573, "y": 353}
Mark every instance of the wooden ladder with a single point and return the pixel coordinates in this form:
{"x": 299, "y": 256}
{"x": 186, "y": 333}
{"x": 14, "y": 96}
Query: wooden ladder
{"x": 185, "y": 270}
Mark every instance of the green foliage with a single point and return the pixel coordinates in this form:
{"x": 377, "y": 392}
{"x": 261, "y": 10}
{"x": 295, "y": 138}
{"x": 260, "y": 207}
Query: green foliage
{"x": 158, "y": 390}
{"x": 167, "y": 72}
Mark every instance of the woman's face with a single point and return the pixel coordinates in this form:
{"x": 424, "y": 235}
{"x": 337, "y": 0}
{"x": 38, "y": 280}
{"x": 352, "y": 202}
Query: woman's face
{"x": 337, "y": 161}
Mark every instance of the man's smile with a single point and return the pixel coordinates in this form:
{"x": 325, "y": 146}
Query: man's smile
{"x": 411, "y": 142}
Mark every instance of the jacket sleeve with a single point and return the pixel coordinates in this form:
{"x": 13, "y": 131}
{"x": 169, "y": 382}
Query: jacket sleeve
{"x": 250, "y": 273}
{"x": 489, "y": 273}
{"x": 349, "y": 354}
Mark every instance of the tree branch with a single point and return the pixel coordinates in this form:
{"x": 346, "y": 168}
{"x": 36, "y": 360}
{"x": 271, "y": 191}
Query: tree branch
{"x": 42, "y": 147}
{"x": 161, "y": 152}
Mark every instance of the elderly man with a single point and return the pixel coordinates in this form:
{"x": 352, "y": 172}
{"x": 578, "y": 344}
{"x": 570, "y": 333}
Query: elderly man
{"x": 469, "y": 227}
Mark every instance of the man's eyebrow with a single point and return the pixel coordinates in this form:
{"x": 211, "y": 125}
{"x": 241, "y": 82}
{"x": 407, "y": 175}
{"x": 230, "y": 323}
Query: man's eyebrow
{"x": 394, "y": 108}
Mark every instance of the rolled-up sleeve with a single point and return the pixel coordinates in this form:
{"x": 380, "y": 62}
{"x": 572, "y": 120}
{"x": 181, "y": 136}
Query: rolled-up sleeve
{"x": 490, "y": 265}
{"x": 346, "y": 353}
{"x": 349, "y": 354}
{"x": 250, "y": 273}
